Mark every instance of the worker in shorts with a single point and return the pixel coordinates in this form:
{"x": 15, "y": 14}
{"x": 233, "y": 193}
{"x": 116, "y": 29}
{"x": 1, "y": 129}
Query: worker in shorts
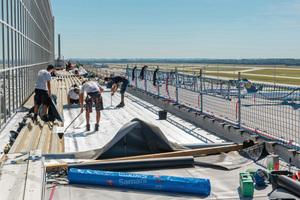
{"x": 93, "y": 91}
{"x": 73, "y": 96}
{"x": 116, "y": 83}
{"x": 42, "y": 95}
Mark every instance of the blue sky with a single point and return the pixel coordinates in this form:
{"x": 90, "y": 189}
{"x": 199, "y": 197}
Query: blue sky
{"x": 178, "y": 28}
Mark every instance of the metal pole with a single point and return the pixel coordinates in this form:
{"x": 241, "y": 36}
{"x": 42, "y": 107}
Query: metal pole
{"x": 59, "y": 47}
{"x": 145, "y": 79}
{"x": 218, "y": 72}
{"x": 176, "y": 84}
{"x": 239, "y": 102}
{"x": 4, "y": 95}
{"x": 13, "y": 90}
{"x": 0, "y": 109}
{"x": 135, "y": 74}
{"x": 201, "y": 95}
{"x": 274, "y": 76}
{"x": 228, "y": 92}
{"x": 157, "y": 80}
{"x": 9, "y": 94}
{"x": 195, "y": 83}
{"x": 233, "y": 72}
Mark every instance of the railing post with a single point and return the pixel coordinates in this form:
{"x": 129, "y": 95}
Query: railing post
{"x": 176, "y": 80}
{"x": 9, "y": 94}
{"x": 127, "y": 74}
{"x": 135, "y": 74}
{"x": 195, "y": 82}
{"x": 4, "y": 96}
{"x": 201, "y": 95}
{"x": 157, "y": 80}
{"x": 228, "y": 92}
{"x": 239, "y": 102}
{"x": 145, "y": 77}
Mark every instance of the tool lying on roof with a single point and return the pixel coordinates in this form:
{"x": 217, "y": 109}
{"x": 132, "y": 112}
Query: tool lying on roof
{"x": 72, "y": 121}
{"x": 20, "y": 160}
{"x": 60, "y": 131}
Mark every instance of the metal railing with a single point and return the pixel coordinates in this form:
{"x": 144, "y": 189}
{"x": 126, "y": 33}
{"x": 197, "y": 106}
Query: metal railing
{"x": 26, "y": 46}
{"x": 269, "y": 111}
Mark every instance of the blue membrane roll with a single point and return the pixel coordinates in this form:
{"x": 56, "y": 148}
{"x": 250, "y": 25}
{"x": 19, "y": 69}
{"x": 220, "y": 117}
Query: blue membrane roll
{"x": 140, "y": 181}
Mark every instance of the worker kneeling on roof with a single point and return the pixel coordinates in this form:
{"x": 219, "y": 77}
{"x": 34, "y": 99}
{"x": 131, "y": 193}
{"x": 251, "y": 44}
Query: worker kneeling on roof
{"x": 93, "y": 91}
{"x": 73, "y": 96}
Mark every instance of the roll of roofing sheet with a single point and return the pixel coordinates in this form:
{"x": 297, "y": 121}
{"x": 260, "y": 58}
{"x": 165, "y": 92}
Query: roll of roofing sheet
{"x": 289, "y": 184}
{"x": 140, "y": 181}
{"x": 122, "y": 165}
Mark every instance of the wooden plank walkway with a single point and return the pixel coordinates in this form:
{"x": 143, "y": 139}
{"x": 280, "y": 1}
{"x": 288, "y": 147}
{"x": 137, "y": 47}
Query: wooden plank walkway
{"x": 22, "y": 177}
{"x": 40, "y": 135}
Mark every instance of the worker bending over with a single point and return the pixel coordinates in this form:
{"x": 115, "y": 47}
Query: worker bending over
{"x": 116, "y": 83}
{"x": 93, "y": 91}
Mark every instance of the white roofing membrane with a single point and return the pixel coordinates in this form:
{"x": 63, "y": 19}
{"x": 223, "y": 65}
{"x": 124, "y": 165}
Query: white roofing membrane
{"x": 224, "y": 183}
{"x": 112, "y": 119}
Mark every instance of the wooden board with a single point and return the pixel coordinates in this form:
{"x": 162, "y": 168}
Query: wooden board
{"x": 190, "y": 152}
{"x": 35, "y": 181}
{"x": 13, "y": 179}
{"x": 23, "y": 180}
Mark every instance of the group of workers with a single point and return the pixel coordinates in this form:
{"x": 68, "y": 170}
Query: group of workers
{"x": 92, "y": 89}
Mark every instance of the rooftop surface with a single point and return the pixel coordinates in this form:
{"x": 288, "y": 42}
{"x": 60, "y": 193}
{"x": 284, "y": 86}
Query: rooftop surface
{"x": 222, "y": 170}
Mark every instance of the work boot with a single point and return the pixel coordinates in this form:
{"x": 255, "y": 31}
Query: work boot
{"x": 88, "y": 127}
{"x": 34, "y": 118}
{"x": 45, "y": 118}
{"x": 122, "y": 104}
{"x": 22, "y": 124}
{"x": 96, "y": 127}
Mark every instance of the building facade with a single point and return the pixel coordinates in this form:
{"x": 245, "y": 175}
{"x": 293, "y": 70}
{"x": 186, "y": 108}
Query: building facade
{"x": 26, "y": 46}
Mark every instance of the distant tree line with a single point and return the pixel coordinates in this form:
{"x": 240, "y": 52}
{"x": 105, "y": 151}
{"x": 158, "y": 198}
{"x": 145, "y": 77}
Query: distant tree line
{"x": 270, "y": 61}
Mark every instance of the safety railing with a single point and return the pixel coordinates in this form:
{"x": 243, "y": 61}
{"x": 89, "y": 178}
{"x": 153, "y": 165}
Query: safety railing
{"x": 271, "y": 112}
{"x": 26, "y": 46}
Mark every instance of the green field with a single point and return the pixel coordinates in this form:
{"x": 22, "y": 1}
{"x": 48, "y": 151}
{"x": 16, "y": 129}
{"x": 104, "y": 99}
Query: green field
{"x": 257, "y": 78}
{"x": 278, "y": 72}
{"x": 225, "y": 69}
{"x": 211, "y": 70}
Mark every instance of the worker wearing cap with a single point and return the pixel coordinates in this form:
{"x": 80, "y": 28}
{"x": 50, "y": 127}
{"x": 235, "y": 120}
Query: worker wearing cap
{"x": 73, "y": 96}
{"x": 93, "y": 91}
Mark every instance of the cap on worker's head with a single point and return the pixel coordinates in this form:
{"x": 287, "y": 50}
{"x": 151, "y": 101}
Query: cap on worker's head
{"x": 50, "y": 67}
